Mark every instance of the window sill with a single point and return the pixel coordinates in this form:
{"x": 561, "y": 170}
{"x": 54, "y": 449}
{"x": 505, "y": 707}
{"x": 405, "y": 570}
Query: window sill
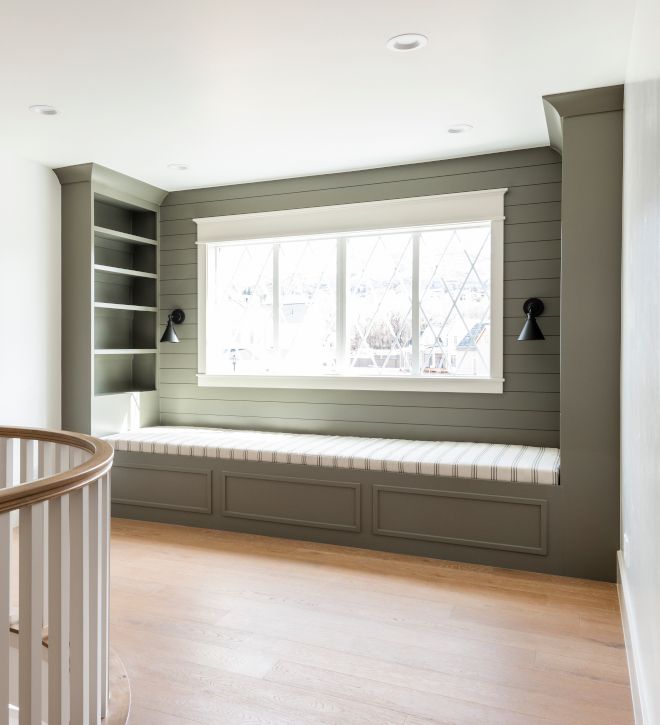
{"x": 343, "y": 382}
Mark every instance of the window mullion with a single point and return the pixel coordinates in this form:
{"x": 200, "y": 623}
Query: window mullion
{"x": 416, "y": 357}
{"x": 276, "y": 298}
{"x": 341, "y": 343}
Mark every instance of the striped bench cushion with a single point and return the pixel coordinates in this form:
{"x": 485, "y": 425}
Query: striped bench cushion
{"x": 486, "y": 461}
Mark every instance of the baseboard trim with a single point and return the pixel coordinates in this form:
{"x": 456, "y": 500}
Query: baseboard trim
{"x": 631, "y": 636}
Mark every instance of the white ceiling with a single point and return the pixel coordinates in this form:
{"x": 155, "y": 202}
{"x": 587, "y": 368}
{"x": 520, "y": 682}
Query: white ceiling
{"x": 245, "y": 90}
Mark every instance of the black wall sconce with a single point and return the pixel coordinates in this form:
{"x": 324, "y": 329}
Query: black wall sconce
{"x": 533, "y": 307}
{"x": 176, "y": 317}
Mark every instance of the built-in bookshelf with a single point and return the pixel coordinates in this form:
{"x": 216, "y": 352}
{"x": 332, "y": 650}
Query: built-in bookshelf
{"x": 110, "y": 300}
{"x": 125, "y": 296}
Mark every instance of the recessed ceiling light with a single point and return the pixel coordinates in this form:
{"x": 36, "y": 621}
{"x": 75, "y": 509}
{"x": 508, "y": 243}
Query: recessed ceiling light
{"x": 407, "y": 41}
{"x": 460, "y": 128}
{"x": 178, "y": 167}
{"x": 44, "y": 110}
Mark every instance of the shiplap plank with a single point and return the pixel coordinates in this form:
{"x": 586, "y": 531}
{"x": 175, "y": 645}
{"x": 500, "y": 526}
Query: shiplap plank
{"x": 525, "y": 213}
{"x": 530, "y": 364}
{"x": 549, "y": 346}
{"x": 523, "y": 382}
{"x": 513, "y": 325}
{"x": 177, "y": 241}
{"x": 531, "y": 382}
{"x": 185, "y": 302}
{"x": 366, "y": 398}
{"x": 524, "y": 436}
{"x": 532, "y": 269}
{"x": 539, "y": 287}
{"x": 178, "y": 286}
{"x": 513, "y": 306}
{"x": 523, "y": 251}
{"x": 461, "y": 417}
{"x": 178, "y": 271}
{"x": 533, "y": 193}
{"x": 178, "y": 256}
{"x": 532, "y": 232}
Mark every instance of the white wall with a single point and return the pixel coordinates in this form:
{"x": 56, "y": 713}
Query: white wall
{"x": 29, "y": 294}
{"x": 640, "y": 371}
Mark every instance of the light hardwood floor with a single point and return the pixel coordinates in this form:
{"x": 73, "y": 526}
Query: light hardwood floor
{"x": 221, "y": 628}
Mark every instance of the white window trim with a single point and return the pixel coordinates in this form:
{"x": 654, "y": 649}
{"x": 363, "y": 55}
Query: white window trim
{"x": 473, "y": 206}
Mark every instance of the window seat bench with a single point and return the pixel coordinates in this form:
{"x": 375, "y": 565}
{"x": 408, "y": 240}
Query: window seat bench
{"x": 485, "y": 503}
{"x": 483, "y": 461}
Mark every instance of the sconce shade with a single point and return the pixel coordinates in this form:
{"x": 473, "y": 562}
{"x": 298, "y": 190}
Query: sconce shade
{"x": 176, "y": 316}
{"x": 531, "y": 330}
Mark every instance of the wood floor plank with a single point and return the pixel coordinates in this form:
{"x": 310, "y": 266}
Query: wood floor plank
{"x": 405, "y": 700}
{"x": 144, "y": 716}
{"x": 216, "y": 628}
{"x": 429, "y": 670}
{"x": 225, "y": 694}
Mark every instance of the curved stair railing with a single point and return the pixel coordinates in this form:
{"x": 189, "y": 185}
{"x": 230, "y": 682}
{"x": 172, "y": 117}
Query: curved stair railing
{"x": 54, "y": 573}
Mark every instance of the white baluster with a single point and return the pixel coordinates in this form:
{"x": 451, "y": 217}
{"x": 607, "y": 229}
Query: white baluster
{"x": 45, "y": 467}
{"x": 95, "y": 573}
{"x": 13, "y": 473}
{"x": 5, "y": 574}
{"x": 79, "y": 601}
{"x": 31, "y": 527}
{"x": 58, "y": 597}
{"x": 28, "y": 461}
{"x": 5, "y": 587}
{"x": 105, "y": 591}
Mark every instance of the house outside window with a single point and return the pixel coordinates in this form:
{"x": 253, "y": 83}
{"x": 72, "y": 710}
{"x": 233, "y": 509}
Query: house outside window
{"x": 395, "y": 295}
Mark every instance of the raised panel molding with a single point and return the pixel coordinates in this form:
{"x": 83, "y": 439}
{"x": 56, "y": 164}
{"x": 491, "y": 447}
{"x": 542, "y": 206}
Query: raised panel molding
{"x": 179, "y": 489}
{"x": 267, "y": 498}
{"x": 449, "y": 516}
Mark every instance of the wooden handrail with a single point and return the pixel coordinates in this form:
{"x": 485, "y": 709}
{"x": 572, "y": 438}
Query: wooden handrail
{"x": 44, "y": 489}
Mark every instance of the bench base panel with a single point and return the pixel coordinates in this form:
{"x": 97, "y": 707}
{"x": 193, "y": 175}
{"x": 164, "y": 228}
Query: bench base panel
{"x": 486, "y": 522}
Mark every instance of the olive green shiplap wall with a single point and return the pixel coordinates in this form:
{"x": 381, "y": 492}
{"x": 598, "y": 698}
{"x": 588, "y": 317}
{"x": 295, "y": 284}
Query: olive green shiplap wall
{"x": 527, "y": 412}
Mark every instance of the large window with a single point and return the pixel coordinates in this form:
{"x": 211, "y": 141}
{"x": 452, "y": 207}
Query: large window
{"x": 317, "y": 303}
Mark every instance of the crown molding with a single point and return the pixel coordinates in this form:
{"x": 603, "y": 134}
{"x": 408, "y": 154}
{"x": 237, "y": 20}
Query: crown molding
{"x": 105, "y": 179}
{"x": 560, "y": 106}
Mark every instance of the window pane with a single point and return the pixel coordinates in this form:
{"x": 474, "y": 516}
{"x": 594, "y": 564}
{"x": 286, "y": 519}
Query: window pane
{"x": 379, "y": 306}
{"x": 272, "y": 306}
{"x": 455, "y": 301}
{"x": 308, "y": 307}
{"x": 240, "y": 308}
